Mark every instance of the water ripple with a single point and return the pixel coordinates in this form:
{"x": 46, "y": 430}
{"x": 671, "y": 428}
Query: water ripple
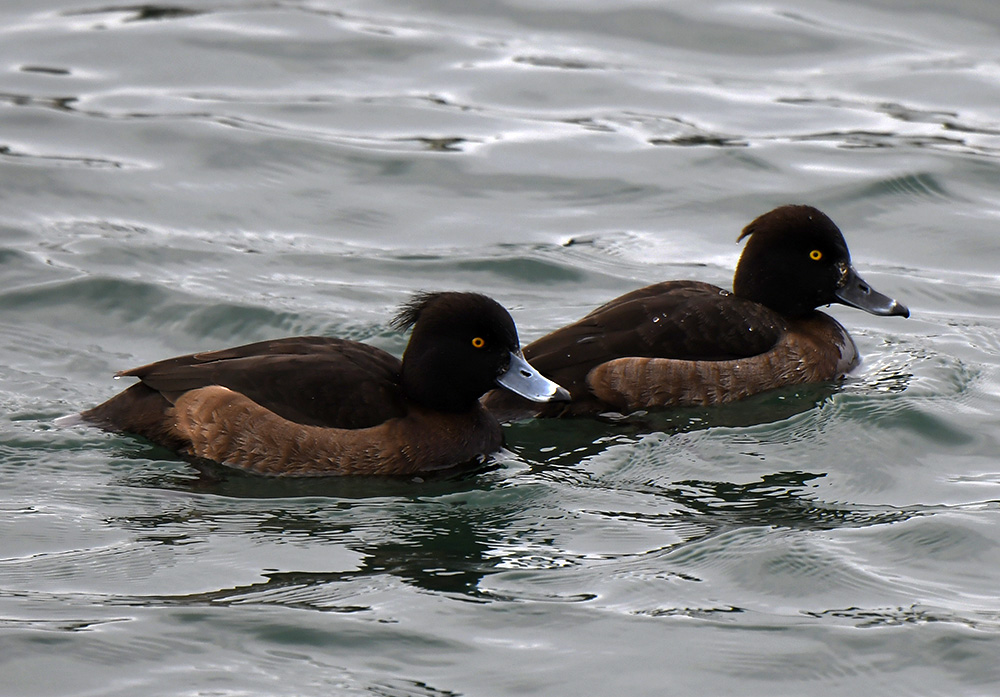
{"x": 8, "y": 152}
{"x": 124, "y": 14}
{"x": 869, "y": 618}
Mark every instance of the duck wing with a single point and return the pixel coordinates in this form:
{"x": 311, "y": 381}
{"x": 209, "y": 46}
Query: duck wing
{"x": 683, "y": 320}
{"x": 318, "y": 381}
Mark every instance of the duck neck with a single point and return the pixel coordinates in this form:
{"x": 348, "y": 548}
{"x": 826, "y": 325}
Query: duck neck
{"x": 760, "y": 287}
{"x": 432, "y": 383}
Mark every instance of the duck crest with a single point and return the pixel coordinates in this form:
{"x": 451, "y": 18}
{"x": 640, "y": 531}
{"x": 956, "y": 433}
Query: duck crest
{"x": 459, "y": 344}
{"x": 314, "y": 406}
{"x": 793, "y": 261}
{"x": 409, "y": 312}
{"x": 686, "y": 343}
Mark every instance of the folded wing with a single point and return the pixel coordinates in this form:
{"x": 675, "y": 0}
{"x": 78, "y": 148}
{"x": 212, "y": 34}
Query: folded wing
{"x": 682, "y": 320}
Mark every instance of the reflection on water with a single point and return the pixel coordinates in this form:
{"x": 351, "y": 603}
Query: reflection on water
{"x": 568, "y": 441}
{"x": 448, "y": 535}
{"x": 782, "y": 499}
{"x": 136, "y": 13}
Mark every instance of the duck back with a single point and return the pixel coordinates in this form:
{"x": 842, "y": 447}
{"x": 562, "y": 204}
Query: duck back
{"x": 316, "y": 381}
{"x": 679, "y": 343}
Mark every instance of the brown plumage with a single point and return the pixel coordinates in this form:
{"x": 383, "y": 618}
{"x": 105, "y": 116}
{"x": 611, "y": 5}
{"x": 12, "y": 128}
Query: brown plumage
{"x": 688, "y": 343}
{"x": 315, "y": 406}
{"x": 225, "y": 426}
{"x": 311, "y": 380}
{"x": 812, "y": 349}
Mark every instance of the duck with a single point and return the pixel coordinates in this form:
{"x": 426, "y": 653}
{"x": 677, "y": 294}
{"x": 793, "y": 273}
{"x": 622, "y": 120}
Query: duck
{"x": 323, "y": 406}
{"x": 688, "y": 343}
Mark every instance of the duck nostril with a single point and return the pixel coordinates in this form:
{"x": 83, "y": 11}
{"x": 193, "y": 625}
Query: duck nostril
{"x": 525, "y": 374}
{"x": 865, "y": 288}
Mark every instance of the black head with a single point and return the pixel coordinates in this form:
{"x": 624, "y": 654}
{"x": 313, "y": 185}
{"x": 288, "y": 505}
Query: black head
{"x": 461, "y": 344}
{"x": 796, "y": 259}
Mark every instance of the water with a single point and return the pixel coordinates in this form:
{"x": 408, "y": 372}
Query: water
{"x": 201, "y": 175}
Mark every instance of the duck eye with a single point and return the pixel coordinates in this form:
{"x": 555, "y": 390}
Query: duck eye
{"x": 815, "y": 255}
{"x": 478, "y": 342}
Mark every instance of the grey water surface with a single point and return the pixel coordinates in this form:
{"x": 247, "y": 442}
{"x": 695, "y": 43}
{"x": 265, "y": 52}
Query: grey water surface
{"x": 206, "y": 173}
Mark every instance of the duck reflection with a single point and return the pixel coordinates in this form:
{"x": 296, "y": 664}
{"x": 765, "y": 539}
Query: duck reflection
{"x": 566, "y": 441}
{"x": 450, "y": 535}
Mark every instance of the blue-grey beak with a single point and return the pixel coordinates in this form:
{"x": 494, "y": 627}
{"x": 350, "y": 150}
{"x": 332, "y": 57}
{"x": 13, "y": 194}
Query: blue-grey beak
{"x": 521, "y": 379}
{"x": 855, "y": 292}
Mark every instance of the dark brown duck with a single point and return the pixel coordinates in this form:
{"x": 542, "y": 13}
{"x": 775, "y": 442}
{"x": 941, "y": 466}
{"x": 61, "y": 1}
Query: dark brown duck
{"x": 687, "y": 343}
{"x": 314, "y": 406}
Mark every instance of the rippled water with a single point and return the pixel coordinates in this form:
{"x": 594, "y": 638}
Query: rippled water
{"x": 192, "y": 176}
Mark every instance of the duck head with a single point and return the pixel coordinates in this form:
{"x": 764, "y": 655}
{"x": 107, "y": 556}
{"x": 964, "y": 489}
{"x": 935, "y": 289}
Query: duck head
{"x": 462, "y": 346}
{"x": 796, "y": 259}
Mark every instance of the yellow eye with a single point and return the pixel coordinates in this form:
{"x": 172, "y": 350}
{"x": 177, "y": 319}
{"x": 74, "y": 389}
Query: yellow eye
{"x": 815, "y": 255}
{"x": 478, "y": 342}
